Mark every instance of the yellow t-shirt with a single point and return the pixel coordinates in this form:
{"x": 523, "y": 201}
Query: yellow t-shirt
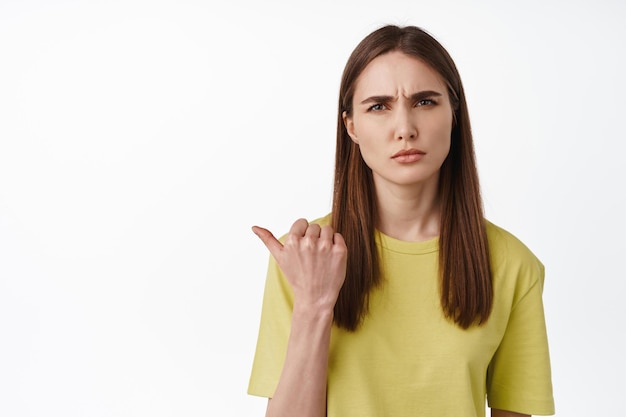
{"x": 406, "y": 359}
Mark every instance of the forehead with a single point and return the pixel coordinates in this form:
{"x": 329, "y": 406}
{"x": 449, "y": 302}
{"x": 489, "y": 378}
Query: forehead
{"x": 396, "y": 73}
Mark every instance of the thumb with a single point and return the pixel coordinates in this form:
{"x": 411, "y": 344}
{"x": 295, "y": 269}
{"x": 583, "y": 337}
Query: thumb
{"x": 268, "y": 239}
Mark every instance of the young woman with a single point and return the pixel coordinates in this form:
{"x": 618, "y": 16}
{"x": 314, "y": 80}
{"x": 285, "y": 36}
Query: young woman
{"x": 404, "y": 300}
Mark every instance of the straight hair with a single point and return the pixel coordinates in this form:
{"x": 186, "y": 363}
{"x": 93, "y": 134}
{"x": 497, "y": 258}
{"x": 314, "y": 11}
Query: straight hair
{"x": 466, "y": 287}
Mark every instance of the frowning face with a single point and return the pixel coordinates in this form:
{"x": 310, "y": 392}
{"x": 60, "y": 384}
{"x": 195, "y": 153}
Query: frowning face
{"x": 401, "y": 120}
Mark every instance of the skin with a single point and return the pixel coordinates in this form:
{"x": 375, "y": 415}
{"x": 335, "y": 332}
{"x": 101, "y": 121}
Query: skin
{"x": 399, "y": 103}
{"x": 313, "y": 259}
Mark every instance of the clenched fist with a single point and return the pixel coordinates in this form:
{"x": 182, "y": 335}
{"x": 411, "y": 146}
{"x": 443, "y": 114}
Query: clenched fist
{"x": 313, "y": 259}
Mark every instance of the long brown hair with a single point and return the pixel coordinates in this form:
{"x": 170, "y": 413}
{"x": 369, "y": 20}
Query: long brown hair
{"x": 466, "y": 287}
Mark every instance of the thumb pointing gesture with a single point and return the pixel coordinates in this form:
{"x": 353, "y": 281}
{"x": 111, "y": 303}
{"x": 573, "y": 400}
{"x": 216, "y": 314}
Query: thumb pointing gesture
{"x": 268, "y": 239}
{"x": 313, "y": 259}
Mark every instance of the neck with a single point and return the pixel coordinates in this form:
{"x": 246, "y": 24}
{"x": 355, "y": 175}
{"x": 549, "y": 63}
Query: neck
{"x": 409, "y": 213}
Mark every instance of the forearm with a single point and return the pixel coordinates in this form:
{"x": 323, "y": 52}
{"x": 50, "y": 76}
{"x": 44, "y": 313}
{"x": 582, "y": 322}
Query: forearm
{"x": 301, "y": 390}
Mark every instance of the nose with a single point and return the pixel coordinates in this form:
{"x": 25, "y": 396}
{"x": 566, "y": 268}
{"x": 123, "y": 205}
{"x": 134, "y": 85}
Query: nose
{"x": 406, "y": 127}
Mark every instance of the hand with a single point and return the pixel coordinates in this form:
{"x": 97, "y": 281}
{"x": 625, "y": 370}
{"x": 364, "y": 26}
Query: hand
{"x": 313, "y": 259}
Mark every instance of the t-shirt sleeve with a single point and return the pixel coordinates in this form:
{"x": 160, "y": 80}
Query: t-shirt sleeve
{"x": 273, "y": 333}
{"x": 519, "y": 375}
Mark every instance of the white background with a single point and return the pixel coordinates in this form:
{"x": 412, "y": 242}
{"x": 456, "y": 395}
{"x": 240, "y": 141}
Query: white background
{"x": 140, "y": 140}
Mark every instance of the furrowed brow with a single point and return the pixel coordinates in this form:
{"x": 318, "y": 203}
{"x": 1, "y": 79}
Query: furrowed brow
{"x": 425, "y": 94}
{"x": 378, "y": 99}
{"x": 421, "y": 95}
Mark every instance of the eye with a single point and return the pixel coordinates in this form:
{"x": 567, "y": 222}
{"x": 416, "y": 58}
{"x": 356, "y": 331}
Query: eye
{"x": 377, "y": 107}
{"x": 426, "y": 102}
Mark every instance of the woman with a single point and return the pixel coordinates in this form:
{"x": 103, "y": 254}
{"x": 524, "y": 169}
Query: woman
{"x": 404, "y": 301}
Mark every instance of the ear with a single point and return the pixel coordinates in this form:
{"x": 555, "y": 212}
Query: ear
{"x": 349, "y": 124}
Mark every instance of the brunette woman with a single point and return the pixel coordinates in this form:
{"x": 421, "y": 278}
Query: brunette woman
{"x": 404, "y": 300}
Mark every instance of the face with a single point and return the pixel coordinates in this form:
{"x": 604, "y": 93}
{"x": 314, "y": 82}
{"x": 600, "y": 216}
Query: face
{"x": 401, "y": 120}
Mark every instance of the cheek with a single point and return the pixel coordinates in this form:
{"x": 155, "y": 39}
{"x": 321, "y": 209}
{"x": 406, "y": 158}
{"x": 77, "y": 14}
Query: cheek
{"x": 442, "y": 132}
{"x": 440, "y": 142}
{"x": 445, "y": 144}
{"x": 368, "y": 152}
{"x": 370, "y": 146}
{"x": 367, "y": 136}
{"x": 362, "y": 125}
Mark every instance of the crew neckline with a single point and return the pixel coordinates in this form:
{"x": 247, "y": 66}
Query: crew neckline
{"x": 403, "y": 246}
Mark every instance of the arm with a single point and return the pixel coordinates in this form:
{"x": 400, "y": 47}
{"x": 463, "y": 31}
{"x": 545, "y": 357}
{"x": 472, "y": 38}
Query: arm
{"x": 503, "y": 413}
{"x": 313, "y": 260}
{"x": 301, "y": 390}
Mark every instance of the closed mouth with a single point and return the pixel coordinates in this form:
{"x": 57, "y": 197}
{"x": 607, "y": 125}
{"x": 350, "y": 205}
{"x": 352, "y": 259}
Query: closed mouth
{"x": 406, "y": 152}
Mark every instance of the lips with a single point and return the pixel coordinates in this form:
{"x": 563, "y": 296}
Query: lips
{"x": 408, "y": 155}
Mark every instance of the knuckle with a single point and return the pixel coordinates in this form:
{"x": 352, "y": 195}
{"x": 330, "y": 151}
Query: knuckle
{"x": 327, "y": 230}
{"x": 291, "y": 240}
{"x": 340, "y": 250}
{"x": 314, "y": 228}
{"x": 305, "y": 240}
{"x": 324, "y": 245}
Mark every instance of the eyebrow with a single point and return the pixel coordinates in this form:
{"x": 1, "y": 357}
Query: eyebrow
{"x": 414, "y": 97}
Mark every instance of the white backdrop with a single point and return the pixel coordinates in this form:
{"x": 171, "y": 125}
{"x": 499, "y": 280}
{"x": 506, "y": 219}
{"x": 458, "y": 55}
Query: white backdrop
{"x": 140, "y": 140}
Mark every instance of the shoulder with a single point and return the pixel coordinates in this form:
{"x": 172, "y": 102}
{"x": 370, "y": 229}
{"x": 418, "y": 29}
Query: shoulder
{"x": 511, "y": 259}
{"x": 503, "y": 245}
